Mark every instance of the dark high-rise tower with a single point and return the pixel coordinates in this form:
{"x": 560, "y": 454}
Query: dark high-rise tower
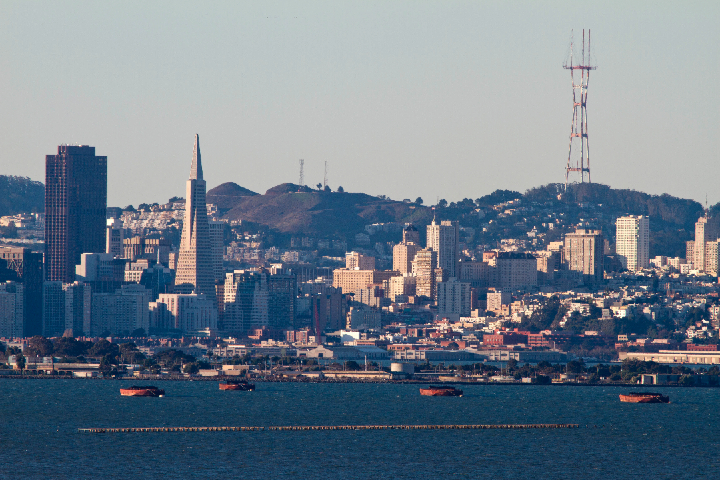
{"x": 27, "y": 267}
{"x": 75, "y": 204}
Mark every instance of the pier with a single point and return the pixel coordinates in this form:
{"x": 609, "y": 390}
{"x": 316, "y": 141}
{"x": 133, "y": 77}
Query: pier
{"x": 329, "y": 427}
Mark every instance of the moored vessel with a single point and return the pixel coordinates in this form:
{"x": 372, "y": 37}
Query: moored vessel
{"x": 237, "y": 385}
{"x": 644, "y": 397}
{"x": 443, "y": 391}
{"x": 142, "y": 391}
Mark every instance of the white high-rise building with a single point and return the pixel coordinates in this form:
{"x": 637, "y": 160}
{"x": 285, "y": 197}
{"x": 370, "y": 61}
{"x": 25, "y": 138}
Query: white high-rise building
{"x": 703, "y": 252}
{"x": 632, "y": 241}
{"x": 194, "y": 272}
{"x": 114, "y": 236}
{"x": 445, "y": 240}
{"x": 188, "y": 313}
{"x": 454, "y": 299}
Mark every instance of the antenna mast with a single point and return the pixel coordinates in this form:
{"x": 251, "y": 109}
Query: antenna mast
{"x": 325, "y": 177}
{"x": 578, "y": 127}
{"x": 301, "y": 183}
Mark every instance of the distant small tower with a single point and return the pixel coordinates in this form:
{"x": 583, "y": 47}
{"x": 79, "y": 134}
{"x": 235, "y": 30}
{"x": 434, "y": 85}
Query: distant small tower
{"x": 578, "y": 127}
{"x": 325, "y": 177}
{"x": 302, "y": 174}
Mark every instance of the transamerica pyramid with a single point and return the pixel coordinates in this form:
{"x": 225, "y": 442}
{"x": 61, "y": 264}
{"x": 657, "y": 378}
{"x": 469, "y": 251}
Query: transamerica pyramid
{"x": 194, "y": 272}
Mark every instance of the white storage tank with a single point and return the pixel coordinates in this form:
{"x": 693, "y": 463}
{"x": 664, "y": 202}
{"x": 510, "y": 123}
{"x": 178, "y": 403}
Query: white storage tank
{"x": 406, "y": 368}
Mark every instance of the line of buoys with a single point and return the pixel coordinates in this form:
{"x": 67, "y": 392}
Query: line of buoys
{"x": 328, "y": 427}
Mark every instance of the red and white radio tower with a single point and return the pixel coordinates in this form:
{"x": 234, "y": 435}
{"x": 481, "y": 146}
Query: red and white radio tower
{"x": 579, "y": 128}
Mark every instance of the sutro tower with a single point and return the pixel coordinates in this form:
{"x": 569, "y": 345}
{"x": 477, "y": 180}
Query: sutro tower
{"x": 579, "y": 128}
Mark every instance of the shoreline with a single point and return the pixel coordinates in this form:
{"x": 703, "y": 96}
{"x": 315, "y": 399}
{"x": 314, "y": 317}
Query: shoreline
{"x": 353, "y": 381}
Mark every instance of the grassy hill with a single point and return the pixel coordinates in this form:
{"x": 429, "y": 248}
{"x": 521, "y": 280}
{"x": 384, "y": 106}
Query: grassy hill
{"x": 225, "y": 195}
{"x": 287, "y": 208}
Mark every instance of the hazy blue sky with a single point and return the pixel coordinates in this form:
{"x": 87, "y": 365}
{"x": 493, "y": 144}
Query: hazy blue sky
{"x": 433, "y": 99}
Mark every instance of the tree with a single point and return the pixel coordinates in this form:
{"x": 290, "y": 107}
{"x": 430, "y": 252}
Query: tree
{"x": 419, "y": 200}
{"x": 319, "y": 186}
{"x": 327, "y": 189}
{"x": 191, "y": 368}
{"x": 14, "y": 351}
{"x": 20, "y": 361}
{"x": 442, "y": 203}
{"x": 103, "y": 348}
{"x": 352, "y": 365}
{"x": 39, "y": 346}
{"x": 340, "y": 189}
{"x": 129, "y": 208}
{"x": 574, "y": 366}
{"x": 69, "y": 347}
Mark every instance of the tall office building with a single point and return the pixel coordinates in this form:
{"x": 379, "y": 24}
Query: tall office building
{"x": 411, "y": 235}
{"x": 11, "y": 310}
{"x": 445, "y": 240}
{"x": 584, "y": 252}
{"x": 516, "y": 270}
{"x": 28, "y": 268}
{"x": 703, "y": 251}
{"x": 632, "y": 241}
{"x": 358, "y": 261}
{"x": 195, "y": 264}
{"x": 217, "y": 245}
{"x": 454, "y": 299}
{"x": 114, "y": 236}
{"x": 246, "y": 301}
{"x": 423, "y": 267}
{"x": 403, "y": 256}
{"x": 75, "y": 204}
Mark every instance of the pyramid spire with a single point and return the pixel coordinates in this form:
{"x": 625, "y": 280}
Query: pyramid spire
{"x": 196, "y": 166}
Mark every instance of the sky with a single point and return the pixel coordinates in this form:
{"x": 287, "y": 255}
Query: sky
{"x": 446, "y": 99}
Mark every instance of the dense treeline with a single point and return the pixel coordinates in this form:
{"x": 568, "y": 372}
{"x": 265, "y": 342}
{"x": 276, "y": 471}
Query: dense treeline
{"x": 21, "y": 195}
{"x": 677, "y": 211}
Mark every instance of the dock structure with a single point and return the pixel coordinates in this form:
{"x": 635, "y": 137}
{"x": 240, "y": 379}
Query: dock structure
{"x": 328, "y": 427}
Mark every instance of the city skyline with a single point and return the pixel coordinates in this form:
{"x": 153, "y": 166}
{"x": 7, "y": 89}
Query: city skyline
{"x": 424, "y": 92}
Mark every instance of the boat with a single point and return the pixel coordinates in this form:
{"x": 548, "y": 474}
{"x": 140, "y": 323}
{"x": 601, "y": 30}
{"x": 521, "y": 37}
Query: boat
{"x": 644, "y": 397}
{"x": 435, "y": 391}
{"x": 237, "y": 385}
{"x": 142, "y": 391}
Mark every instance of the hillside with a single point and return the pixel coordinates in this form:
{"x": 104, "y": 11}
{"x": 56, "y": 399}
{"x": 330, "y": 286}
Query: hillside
{"x": 292, "y": 210}
{"x": 326, "y": 214}
{"x": 226, "y": 194}
{"x": 672, "y": 219}
{"x": 664, "y": 208}
{"x": 20, "y": 194}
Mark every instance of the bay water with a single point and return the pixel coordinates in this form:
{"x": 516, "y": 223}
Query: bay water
{"x": 39, "y": 438}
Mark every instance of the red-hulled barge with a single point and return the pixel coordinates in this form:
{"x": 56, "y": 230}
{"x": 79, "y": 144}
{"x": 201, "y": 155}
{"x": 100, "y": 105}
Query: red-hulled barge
{"x": 237, "y": 385}
{"x": 645, "y": 397}
{"x": 142, "y": 391}
{"x": 435, "y": 391}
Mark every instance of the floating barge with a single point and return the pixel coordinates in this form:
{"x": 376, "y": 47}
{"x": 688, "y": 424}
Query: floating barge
{"x": 645, "y": 397}
{"x": 142, "y": 391}
{"x": 237, "y": 385}
{"x": 443, "y": 391}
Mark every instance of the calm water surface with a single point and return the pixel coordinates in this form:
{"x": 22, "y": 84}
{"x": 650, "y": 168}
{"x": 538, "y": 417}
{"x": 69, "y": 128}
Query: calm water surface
{"x": 39, "y": 438}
